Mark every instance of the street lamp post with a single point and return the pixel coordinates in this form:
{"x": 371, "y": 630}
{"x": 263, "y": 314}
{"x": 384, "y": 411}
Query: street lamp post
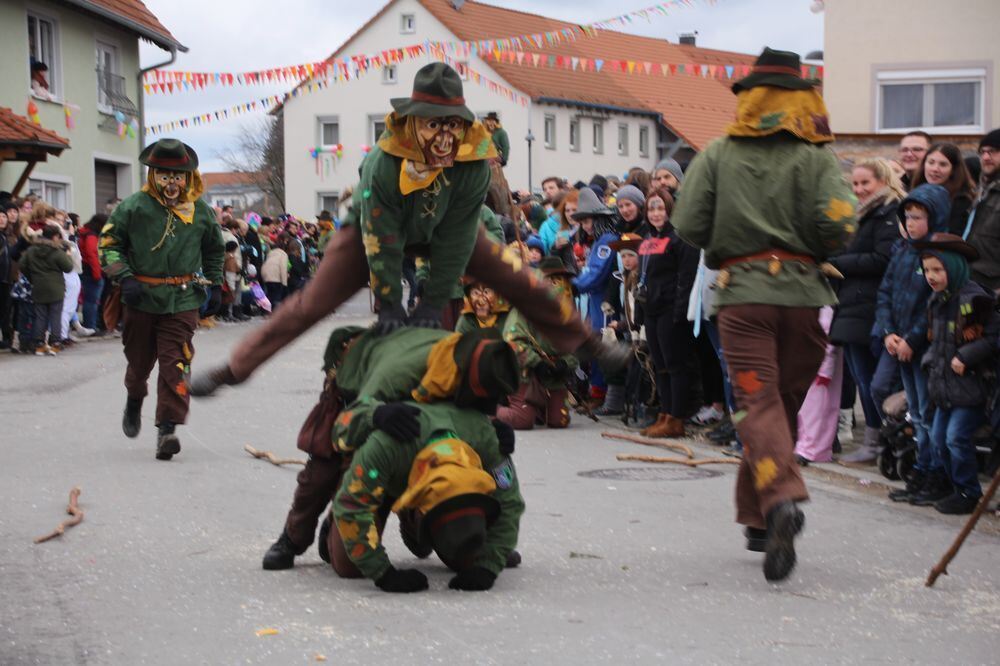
{"x": 530, "y": 138}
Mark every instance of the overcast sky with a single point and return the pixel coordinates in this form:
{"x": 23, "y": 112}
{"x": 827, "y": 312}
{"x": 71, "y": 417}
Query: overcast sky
{"x": 243, "y": 35}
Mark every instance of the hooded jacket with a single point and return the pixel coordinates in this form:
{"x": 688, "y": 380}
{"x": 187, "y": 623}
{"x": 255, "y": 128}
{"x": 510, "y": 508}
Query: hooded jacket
{"x": 43, "y": 264}
{"x": 902, "y": 296}
{"x": 984, "y": 235}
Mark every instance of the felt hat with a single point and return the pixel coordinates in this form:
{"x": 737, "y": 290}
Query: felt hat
{"x": 492, "y": 115}
{"x": 457, "y": 528}
{"x": 590, "y": 206}
{"x": 943, "y": 242}
{"x": 627, "y": 243}
{"x": 324, "y": 216}
{"x": 781, "y": 69}
{"x": 489, "y": 368}
{"x": 437, "y": 91}
{"x": 169, "y": 155}
{"x": 553, "y": 266}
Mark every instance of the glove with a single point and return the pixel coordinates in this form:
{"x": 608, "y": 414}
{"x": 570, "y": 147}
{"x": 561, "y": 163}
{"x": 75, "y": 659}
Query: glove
{"x": 131, "y": 291}
{"x": 205, "y": 383}
{"x": 402, "y": 580}
{"x": 426, "y": 316}
{"x": 505, "y": 437}
{"x": 398, "y": 420}
{"x": 390, "y": 318}
{"x": 475, "y": 579}
{"x": 214, "y": 301}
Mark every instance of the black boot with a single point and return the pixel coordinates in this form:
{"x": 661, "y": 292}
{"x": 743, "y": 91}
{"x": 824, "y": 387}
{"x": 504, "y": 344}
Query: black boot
{"x": 913, "y": 486}
{"x": 756, "y": 539}
{"x": 132, "y": 419}
{"x": 323, "y": 547}
{"x": 281, "y": 554}
{"x": 957, "y": 504}
{"x": 167, "y": 443}
{"x": 936, "y": 488}
{"x": 784, "y": 522}
{"x": 513, "y": 560}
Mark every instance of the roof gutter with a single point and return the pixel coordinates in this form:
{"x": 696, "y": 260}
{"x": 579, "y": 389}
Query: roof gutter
{"x": 599, "y": 107}
{"x": 156, "y": 38}
{"x": 141, "y": 92}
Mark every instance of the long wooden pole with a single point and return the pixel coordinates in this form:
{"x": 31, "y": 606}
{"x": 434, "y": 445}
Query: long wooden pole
{"x": 942, "y": 566}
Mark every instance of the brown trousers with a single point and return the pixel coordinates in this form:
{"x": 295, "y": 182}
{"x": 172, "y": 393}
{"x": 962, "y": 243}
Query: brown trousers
{"x": 534, "y": 404}
{"x": 344, "y": 270}
{"x": 166, "y": 338}
{"x": 772, "y": 354}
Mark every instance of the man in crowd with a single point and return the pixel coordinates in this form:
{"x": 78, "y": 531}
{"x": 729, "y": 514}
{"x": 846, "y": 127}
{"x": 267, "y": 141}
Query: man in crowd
{"x": 985, "y": 218}
{"x": 154, "y": 245}
{"x": 421, "y": 191}
{"x": 768, "y": 204}
{"x": 913, "y": 148}
{"x": 552, "y": 186}
{"x": 500, "y": 138}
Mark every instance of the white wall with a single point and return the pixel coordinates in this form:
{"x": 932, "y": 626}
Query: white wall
{"x": 355, "y": 101}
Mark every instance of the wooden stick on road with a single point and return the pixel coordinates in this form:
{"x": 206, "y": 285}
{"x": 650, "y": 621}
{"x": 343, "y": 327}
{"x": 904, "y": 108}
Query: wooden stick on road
{"x": 73, "y": 510}
{"x": 679, "y": 461}
{"x": 942, "y": 566}
{"x": 674, "y": 446}
{"x": 271, "y": 458}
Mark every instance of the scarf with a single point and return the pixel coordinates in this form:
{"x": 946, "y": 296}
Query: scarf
{"x": 880, "y": 198}
{"x": 766, "y": 110}
{"x": 184, "y": 208}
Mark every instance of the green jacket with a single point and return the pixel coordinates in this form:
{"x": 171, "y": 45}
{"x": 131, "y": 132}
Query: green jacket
{"x": 533, "y": 350}
{"x": 746, "y": 196}
{"x": 44, "y": 264}
{"x": 375, "y": 370}
{"x": 437, "y": 222}
{"x": 138, "y": 225}
{"x": 380, "y": 471}
{"x": 493, "y": 229}
{"x": 502, "y": 142}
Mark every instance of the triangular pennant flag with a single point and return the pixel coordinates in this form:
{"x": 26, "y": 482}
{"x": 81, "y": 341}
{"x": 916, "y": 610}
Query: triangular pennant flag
{"x": 575, "y": 63}
{"x": 598, "y": 64}
{"x": 535, "y": 57}
{"x": 520, "y": 57}
{"x": 712, "y": 69}
{"x": 729, "y": 71}
{"x": 647, "y": 66}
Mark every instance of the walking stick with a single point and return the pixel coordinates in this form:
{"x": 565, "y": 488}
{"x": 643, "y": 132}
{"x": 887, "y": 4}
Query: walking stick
{"x": 942, "y": 566}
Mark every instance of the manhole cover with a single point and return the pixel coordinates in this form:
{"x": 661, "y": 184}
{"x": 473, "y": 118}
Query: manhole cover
{"x": 651, "y": 474}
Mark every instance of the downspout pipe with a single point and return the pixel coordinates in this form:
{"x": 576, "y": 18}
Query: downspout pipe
{"x": 141, "y": 93}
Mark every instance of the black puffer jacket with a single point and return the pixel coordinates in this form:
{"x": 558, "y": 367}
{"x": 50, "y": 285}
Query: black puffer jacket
{"x": 863, "y": 264}
{"x": 668, "y": 276}
{"x": 985, "y": 236}
{"x": 972, "y": 337}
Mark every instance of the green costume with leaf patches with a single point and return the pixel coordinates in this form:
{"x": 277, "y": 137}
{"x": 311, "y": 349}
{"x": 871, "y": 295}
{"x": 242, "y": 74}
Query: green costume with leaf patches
{"x": 532, "y": 349}
{"x": 380, "y": 469}
{"x": 144, "y": 238}
{"x": 493, "y": 229}
{"x": 502, "y": 141}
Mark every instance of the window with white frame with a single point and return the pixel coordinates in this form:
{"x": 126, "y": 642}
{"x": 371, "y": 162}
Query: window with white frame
{"x": 109, "y": 79}
{"x": 937, "y": 100}
{"x": 622, "y": 139}
{"x": 550, "y": 132}
{"x": 407, "y": 23}
{"x": 389, "y": 74}
{"x": 598, "y": 137}
{"x": 54, "y": 193}
{"x": 329, "y": 131}
{"x": 43, "y": 47}
{"x": 644, "y": 142}
{"x": 462, "y": 67}
{"x": 327, "y": 201}
{"x": 377, "y": 125}
{"x": 574, "y": 135}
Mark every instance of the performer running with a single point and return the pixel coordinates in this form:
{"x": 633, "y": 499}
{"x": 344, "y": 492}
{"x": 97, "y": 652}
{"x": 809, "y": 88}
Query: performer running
{"x": 768, "y": 203}
{"x": 421, "y": 190}
{"x": 155, "y": 243}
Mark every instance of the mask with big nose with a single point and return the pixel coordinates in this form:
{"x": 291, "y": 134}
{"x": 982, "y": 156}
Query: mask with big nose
{"x": 170, "y": 184}
{"x": 439, "y": 138}
{"x": 483, "y": 300}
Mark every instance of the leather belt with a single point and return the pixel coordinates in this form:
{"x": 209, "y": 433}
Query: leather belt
{"x": 178, "y": 280}
{"x": 769, "y": 255}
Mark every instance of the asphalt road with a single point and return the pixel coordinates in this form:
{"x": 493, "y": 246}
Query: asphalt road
{"x": 623, "y": 562}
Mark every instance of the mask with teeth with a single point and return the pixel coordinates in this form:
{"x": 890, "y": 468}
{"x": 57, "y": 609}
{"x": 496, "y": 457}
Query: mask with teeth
{"x": 439, "y": 138}
{"x": 170, "y": 184}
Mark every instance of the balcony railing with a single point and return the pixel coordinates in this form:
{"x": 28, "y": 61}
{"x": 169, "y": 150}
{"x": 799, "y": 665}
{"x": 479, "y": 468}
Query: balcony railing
{"x": 111, "y": 96}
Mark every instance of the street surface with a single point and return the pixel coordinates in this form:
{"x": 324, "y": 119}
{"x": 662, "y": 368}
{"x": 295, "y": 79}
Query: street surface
{"x": 623, "y": 562}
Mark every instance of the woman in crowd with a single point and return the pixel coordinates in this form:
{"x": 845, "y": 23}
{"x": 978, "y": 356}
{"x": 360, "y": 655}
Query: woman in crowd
{"x": 668, "y": 269}
{"x": 944, "y": 165}
{"x": 630, "y": 201}
{"x": 6, "y": 274}
{"x": 640, "y": 178}
{"x": 863, "y": 264}
{"x": 92, "y": 279}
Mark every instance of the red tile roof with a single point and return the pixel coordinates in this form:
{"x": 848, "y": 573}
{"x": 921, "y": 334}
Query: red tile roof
{"x": 226, "y": 179}
{"x": 696, "y": 109}
{"x": 133, "y": 14}
{"x": 17, "y": 131}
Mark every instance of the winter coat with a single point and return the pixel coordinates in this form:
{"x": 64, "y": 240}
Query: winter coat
{"x": 6, "y": 261}
{"x": 275, "y": 268}
{"x": 863, "y": 264}
{"x": 959, "y": 217}
{"x": 963, "y": 325}
{"x": 593, "y": 281}
{"x": 985, "y": 236}
{"x": 668, "y": 274}
{"x": 744, "y": 197}
{"x": 87, "y": 240}
{"x": 901, "y": 305}
{"x": 44, "y": 264}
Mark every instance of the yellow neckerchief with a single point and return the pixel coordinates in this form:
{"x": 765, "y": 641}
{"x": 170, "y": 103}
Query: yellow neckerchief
{"x": 766, "y": 110}
{"x": 445, "y": 468}
{"x": 325, "y": 226}
{"x": 185, "y": 205}
{"x": 400, "y": 139}
{"x": 442, "y": 377}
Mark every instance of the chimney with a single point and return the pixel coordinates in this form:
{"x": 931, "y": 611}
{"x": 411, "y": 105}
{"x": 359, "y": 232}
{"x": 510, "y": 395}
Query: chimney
{"x": 688, "y": 38}
{"x": 457, "y": 4}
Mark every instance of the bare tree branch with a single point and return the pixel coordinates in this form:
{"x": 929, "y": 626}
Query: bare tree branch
{"x": 259, "y": 153}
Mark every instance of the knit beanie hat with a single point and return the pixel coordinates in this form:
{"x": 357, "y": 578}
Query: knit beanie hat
{"x": 671, "y": 165}
{"x": 991, "y": 140}
{"x": 631, "y": 193}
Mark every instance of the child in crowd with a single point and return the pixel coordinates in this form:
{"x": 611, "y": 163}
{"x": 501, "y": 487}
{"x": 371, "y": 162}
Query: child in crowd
{"x": 231, "y": 270}
{"x": 536, "y": 250}
{"x": 274, "y": 272}
{"x": 901, "y": 324}
{"x": 962, "y": 330}
{"x": 820, "y": 412}
{"x": 44, "y": 264}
